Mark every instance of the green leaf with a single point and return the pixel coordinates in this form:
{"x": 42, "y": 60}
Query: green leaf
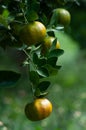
{"x": 5, "y": 13}
{"x": 38, "y": 61}
{"x": 51, "y": 33}
{"x": 33, "y": 5}
{"x": 35, "y": 58}
{"x": 43, "y": 72}
{"x": 40, "y": 94}
{"x": 32, "y": 66}
{"x": 31, "y": 15}
{"x": 8, "y": 78}
{"x": 53, "y": 45}
{"x": 32, "y": 9}
{"x": 41, "y": 89}
{"x": 52, "y": 61}
{"x": 3, "y": 21}
{"x": 34, "y": 77}
{"x": 41, "y": 62}
{"x": 55, "y": 53}
{"x": 44, "y": 19}
{"x": 53, "y": 20}
{"x": 52, "y": 70}
{"x": 43, "y": 86}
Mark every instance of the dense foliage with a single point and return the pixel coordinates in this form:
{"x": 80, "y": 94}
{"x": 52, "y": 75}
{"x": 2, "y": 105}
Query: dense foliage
{"x": 33, "y": 36}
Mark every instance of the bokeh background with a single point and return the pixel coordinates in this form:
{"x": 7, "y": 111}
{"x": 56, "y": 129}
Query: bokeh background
{"x": 68, "y": 88}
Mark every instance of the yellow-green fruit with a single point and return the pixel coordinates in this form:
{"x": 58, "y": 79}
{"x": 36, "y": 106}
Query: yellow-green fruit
{"x": 33, "y": 33}
{"x": 39, "y": 109}
{"x": 63, "y": 16}
{"x": 47, "y": 43}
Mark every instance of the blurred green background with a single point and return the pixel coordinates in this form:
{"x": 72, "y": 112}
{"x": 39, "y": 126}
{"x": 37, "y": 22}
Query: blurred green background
{"x": 68, "y": 88}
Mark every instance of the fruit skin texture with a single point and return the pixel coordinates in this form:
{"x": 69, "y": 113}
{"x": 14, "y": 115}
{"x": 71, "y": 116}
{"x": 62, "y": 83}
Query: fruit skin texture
{"x": 47, "y": 43}
{"x": 39, "y": 109}
{"x": 33, "y": 33}
{"x": 63, "y": 16}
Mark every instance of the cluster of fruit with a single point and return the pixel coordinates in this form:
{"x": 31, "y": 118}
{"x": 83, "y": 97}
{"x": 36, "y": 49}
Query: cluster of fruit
{"x": 35, "y": 33}
{"x": 42, "y": 48}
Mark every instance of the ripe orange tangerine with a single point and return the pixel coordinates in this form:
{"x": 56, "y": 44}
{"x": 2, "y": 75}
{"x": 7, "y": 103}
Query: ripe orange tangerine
{"x": 39, "y": 109}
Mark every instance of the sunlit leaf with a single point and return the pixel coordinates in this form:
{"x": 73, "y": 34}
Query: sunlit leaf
{"x": 3, "y": 21}
{"x": 5, "y": 13}
{"x": 43, "y": 72}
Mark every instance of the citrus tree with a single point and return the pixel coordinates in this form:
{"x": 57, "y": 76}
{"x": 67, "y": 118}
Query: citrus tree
{"x": 28, "y": 33}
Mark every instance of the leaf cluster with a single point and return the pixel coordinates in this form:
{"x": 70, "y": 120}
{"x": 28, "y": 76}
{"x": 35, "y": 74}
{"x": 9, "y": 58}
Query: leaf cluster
{"x": 13, "y": 15}
{"x": 41, "y": 67}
